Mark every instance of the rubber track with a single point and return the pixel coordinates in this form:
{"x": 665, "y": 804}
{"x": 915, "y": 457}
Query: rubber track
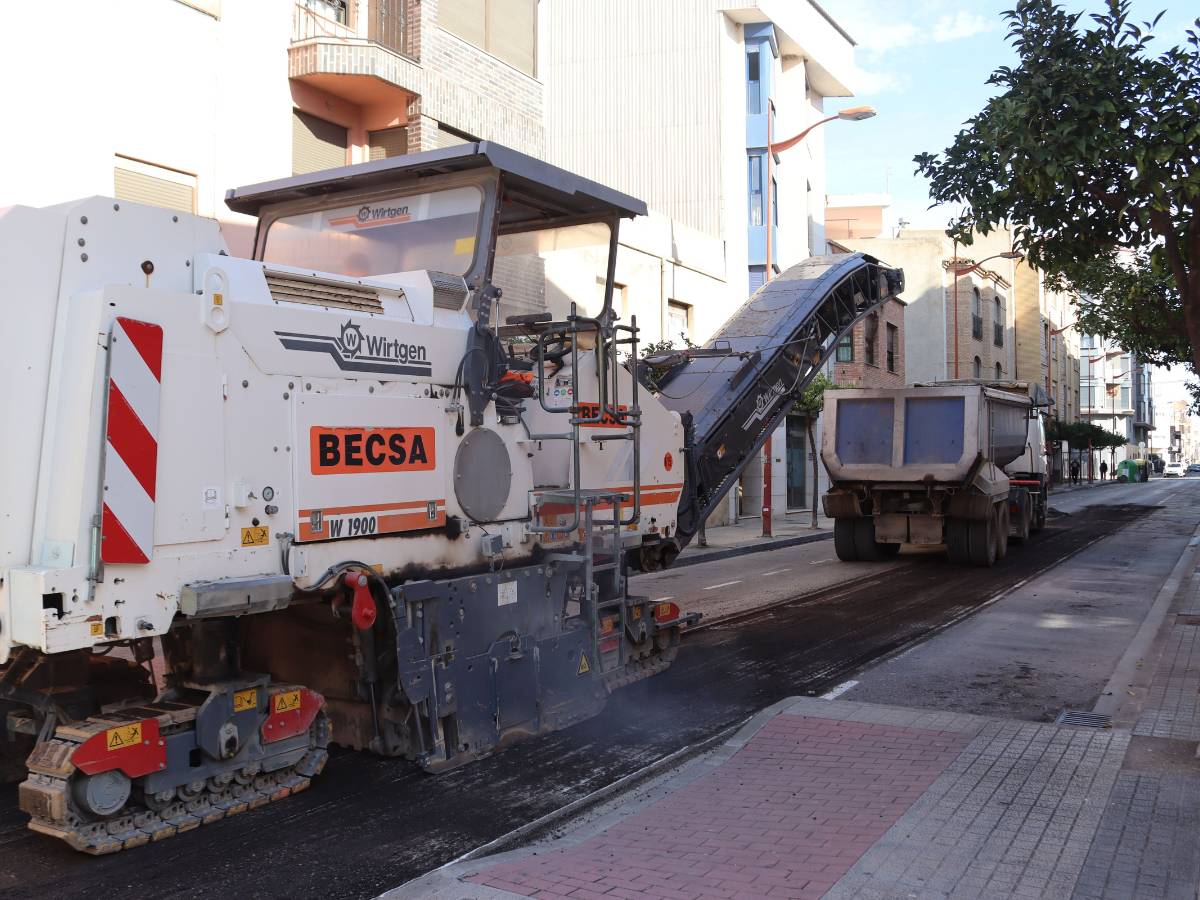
{"x": 46, "y": 796}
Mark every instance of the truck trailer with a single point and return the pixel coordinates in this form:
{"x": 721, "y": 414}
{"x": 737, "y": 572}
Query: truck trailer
{"x": 381, "y": 484}
{"x": 959, "y": 463}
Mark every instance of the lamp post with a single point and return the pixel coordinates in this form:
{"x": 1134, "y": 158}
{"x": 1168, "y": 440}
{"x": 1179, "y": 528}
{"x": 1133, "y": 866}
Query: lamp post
{"x": 959, "y": 271}
{"x": 852, "y": 114}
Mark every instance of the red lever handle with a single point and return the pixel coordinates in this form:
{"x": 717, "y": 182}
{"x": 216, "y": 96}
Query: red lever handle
{"x": 362, "y": 610}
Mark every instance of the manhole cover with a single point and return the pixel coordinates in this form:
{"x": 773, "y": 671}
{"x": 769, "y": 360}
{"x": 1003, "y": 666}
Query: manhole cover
{"x": 1083, "y": 719}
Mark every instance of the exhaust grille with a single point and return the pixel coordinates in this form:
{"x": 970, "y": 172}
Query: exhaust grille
{"x": 315, "y": 292}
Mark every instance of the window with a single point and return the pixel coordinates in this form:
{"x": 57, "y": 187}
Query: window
{"x": 330, "y": 9}
{"x": 893, "y": 339}
{"x": 977, "y": 368}
{"x": 755, "y": 182}
{"x": 679, "y": 321}
{"x": 999, "y": 372}
{"x": 316, "y": 144}
{"x": 753, "y": 82}
{"x": 774, "y": 202}
{"x": 870, "y": 336}
{"x": 976, "y": 317}
{"x": 997, "y": 323}
{"x": 142, "y": 182}
{"x": 845, "y": 348}
{"x": 507, "y": 29}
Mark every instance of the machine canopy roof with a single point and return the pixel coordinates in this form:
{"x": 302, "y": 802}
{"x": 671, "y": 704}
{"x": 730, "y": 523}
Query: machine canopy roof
{"x": 536, "y": 193}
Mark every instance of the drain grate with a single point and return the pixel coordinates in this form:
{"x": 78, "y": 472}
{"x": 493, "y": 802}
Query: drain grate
{"x": 1083, "y": 719}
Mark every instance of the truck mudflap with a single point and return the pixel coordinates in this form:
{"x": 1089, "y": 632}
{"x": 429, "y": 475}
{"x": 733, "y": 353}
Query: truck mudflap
{"x": 138, "y": 773}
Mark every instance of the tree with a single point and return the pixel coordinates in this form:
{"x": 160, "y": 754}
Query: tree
{"x": 1090, "y": 154}
{"x": 810, "y": 402}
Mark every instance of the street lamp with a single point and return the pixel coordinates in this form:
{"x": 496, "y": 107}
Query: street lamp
{"x": 959, "y": 271}
{"x": 851, "y": 114}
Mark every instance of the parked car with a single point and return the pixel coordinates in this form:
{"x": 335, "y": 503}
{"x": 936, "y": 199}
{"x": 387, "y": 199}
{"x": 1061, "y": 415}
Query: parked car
{"x": 1173, "y": 470}
{"x": 1193, "y": 469}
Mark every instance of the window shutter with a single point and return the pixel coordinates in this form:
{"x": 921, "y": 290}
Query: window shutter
{"x": 139, "y": 187}
{"x": 316, "y": 144}
{"x": 464, "y": 18}
{"x": 512, "y": 33}
{"x": 388, "y": 143}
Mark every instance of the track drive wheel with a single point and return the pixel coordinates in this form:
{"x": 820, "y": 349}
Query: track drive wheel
{"x": 843, "y": 540}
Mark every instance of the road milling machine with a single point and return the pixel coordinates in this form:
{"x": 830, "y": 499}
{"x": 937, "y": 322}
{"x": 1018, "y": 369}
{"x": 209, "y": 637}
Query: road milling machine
{"x": 381, "y": 485}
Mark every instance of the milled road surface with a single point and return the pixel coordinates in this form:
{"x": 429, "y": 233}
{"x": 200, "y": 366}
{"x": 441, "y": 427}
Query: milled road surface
{"x": 368, "y": 824}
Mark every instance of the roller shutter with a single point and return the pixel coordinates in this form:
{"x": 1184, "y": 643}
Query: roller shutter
{"x": 140, "y": 187}
{"x": 388, "y": 143}
{"x": 316, "y": 144}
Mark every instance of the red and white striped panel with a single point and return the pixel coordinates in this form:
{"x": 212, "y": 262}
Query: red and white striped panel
{"x": 131, "y": 453}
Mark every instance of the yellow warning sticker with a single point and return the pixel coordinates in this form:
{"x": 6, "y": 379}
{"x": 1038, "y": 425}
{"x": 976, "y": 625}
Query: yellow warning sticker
{"x": 96, "y": 628}
{"x": 637, "y": 612}
{"x": 123, "y": 736}
{"x": 285, "y": 702}
{"x": 258, "y": 536}
{"x": 244, "y": 700}
{"x": 584, "y": 668}
{"x": 464, "y": 245}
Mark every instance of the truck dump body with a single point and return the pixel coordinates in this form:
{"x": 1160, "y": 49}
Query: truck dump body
{"x": 915, "y": 434}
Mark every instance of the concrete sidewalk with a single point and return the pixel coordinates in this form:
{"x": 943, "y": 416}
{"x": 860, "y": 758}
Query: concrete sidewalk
{"x": 839, "y": 798}
{"x": 745, "y": 536}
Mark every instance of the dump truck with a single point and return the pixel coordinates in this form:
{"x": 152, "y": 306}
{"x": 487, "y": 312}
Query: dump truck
{"x": 381, "y": 484}
{"x": 959, "y": 463}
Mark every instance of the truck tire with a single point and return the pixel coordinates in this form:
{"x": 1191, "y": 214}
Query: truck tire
{"x": 981, "y": 541}
{"x": 956, "y": 542}
{"x": 865, "y": 546}
{"x": 1002, "y": 528}
{"x": 1039, "y": 514}
{"x": 843, "y": 540}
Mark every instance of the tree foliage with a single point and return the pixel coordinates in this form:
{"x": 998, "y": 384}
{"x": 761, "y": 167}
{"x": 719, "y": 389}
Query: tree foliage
{"x": 1080, "y": 434}
{"x": 1090, "y": 155}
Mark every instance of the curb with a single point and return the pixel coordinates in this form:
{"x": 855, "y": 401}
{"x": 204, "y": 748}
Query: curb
{"x": 729, "y": 552}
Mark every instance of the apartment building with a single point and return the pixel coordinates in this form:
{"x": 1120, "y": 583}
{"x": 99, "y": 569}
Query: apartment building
{"x": 1183, "y": 435}
{"x": 231, "y": 92}
{"x": 1117, "y": 393}
{"x": 676, "y": 102}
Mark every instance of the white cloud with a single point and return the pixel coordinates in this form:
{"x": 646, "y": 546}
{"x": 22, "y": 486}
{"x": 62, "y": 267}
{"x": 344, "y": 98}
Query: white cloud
{"x": 877, "y": 81}
{"x": 961, "y": 25}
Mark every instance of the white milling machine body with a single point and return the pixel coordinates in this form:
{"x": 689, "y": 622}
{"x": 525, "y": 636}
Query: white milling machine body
{"x": 344, "y": 502}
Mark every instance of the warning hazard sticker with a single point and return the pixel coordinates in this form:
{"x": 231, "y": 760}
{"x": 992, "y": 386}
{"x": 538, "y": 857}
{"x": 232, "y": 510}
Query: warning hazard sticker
{"x": 285, "y": 702}
{"x": 258, "y": 536}
{"x": 96, "y": 629}
{"x": 245, "y": 700}
{"x": 123, "y": 736}
{"x": 584, "y": 668}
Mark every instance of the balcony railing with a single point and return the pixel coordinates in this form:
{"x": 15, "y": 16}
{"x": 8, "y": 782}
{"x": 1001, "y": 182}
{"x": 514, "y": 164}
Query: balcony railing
{"x": 998, "y": 334}
{"x": 977, "y": 327}
{"x": 383, "y": 22}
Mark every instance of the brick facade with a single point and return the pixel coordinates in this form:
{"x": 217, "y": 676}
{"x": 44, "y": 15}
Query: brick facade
{"x": 991, "y": 288}
{"x": 861, "y": 373}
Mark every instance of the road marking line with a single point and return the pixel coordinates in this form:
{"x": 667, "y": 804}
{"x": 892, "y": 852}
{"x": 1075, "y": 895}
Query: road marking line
{"x": 839, "y": 690}
{"x": 662, "y": 599}
{"x": 713, "y": 587}
{"x": 776, "y": 572}
{"x": 820, "y": 562}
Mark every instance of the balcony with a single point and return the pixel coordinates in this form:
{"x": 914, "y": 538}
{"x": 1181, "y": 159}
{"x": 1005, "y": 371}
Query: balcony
{"x": 348, "y": 47}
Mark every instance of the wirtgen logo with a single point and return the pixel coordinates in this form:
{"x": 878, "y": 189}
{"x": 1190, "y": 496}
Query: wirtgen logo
{"x": 355, "y": 350}
{"x": 764, "y": 403}
{"x": 371, "y": 216}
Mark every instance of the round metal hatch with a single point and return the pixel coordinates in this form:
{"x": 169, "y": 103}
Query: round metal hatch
{"x": 482, "y": 475}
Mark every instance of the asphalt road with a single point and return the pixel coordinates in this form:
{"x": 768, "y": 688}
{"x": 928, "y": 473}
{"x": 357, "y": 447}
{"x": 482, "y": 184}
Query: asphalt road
{"x": 369, "y": 824}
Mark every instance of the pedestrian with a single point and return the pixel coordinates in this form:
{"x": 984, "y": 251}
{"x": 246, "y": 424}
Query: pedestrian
{"x": 1103, "y": 470}
{"x": 1074, "y": 471}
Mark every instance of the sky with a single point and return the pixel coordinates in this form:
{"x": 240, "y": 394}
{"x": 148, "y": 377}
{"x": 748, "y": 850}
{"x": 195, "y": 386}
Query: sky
{"x": 923, "y": 65}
